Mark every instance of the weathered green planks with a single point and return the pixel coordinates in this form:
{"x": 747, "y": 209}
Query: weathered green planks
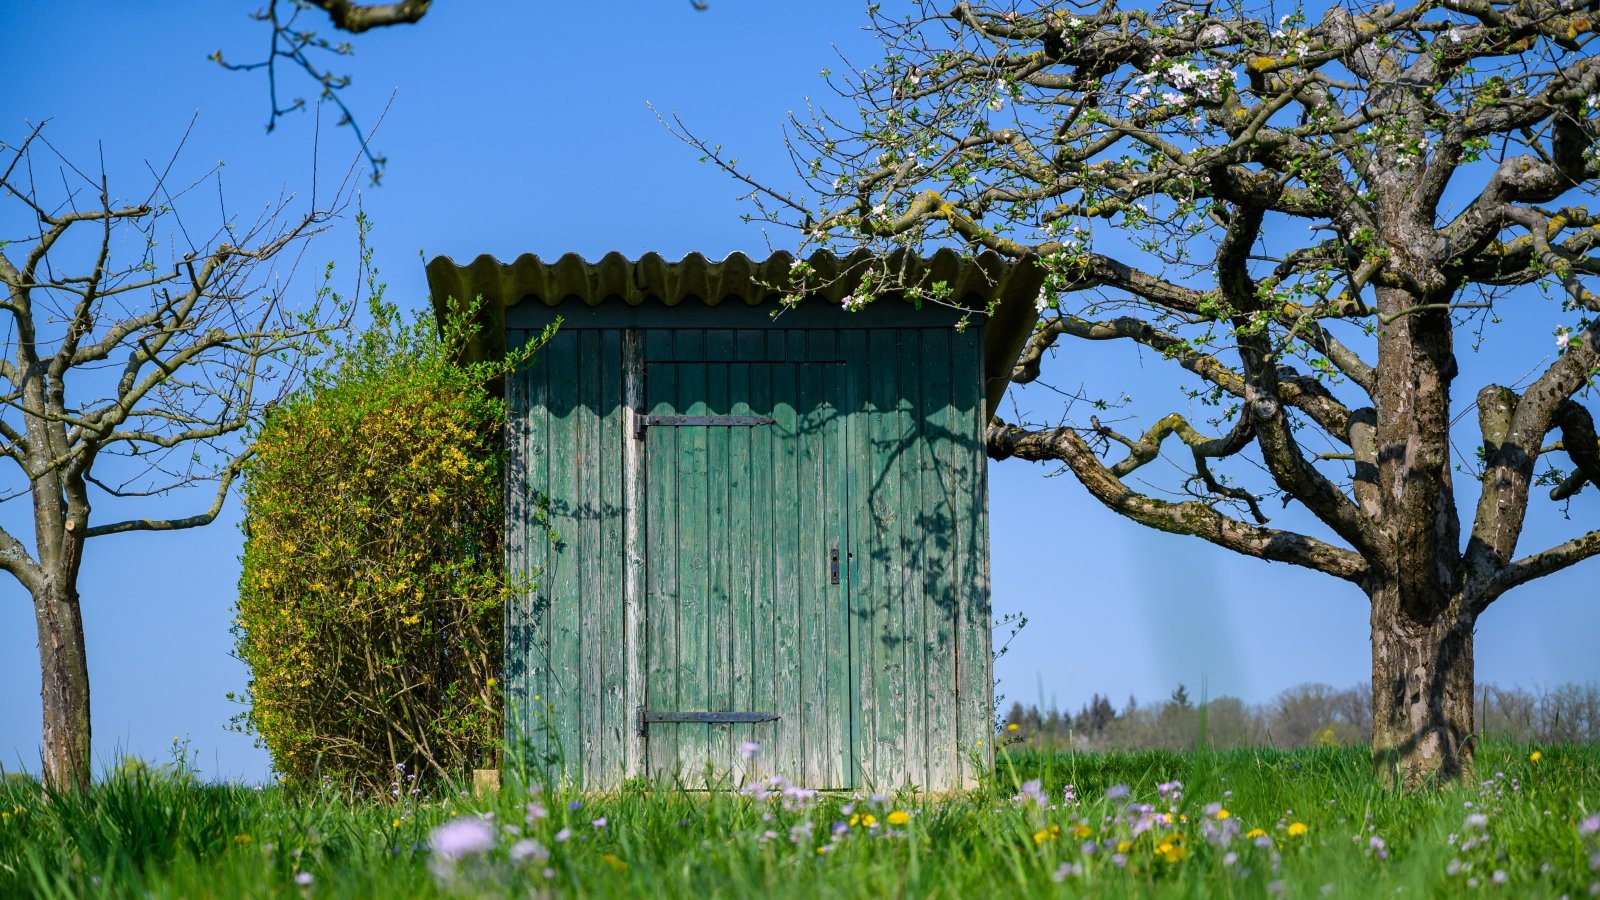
{"x": 973, "y": 621}
{"x": 661, "y": 536}
{"x": 880, "y": 681}
{"x": 916, "y": 556}
{"x": 883, "y": 739}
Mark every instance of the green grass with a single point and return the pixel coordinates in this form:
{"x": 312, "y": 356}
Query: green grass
{"x": 145, "y": 832}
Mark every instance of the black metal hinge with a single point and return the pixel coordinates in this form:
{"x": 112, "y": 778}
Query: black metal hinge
{"x": 643, "y": 422}
{"x": 647, "y": 716}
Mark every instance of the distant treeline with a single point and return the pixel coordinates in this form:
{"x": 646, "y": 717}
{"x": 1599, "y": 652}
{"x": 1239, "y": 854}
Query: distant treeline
{"x": 1303, "y": 716}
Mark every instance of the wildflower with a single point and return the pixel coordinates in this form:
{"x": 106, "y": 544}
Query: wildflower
{"x": 563, "y": 835}
{"x": 1230, "y": 858}
{"x": 749, "y": 749}
{"x": 1377, "y": 847}
{"x": 1046, "y": 834}
{"x": 1563, "y": 337}
{"x": 527, "y": 849}
{"x": 535, "y": 811}
{"x": 1117, "y": 792}
{"x": 575, "y": 805}
{"x": 1499, "y": 876}
{"x": 599, "y": 823}
{"x": 1477, "y": 820}
{"x": 304, "y": 879}
{"x": 1066, "y": 870}
{"x": 1124, "y": 846}
{"x": 1171, "y": 852}
{"x": 1032, "y": 792}
{"x": 899, "y": 817}
{"x": 1535, "y": 756}
{"x": 1012, "y": 726}
{"x": 1589, "y": 826}
{"x": 1080, "y": 830}
{"x": 461, "y": 838}
{"x": 1297, "y": 829}
{"x": 241, "y": 839}
{"x": 614, "y": 861}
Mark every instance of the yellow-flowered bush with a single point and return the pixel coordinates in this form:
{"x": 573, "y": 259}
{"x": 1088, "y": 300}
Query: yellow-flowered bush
{"x": 372, "y": 589}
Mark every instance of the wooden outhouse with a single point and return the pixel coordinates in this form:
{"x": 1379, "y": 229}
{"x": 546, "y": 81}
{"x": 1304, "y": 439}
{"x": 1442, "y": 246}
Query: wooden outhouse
{"x": 739, "y": 530}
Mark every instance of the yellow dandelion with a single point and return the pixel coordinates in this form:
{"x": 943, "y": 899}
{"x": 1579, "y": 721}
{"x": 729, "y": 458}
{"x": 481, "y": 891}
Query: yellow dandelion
{"x": 396, "y": 823}
{"x": 855, "y": 820}
{"x": 1254, "y": 833}
{"x": 1124, "y": 846}
{"x": 1013, "y": 726}
{"x": 1297, "y": 829}
{"x": 1223, "y": 814}
{"x": 241, "y": 839}
{"x": 1081, "y": 830}
{"x": 1535, "y": 756}
{"x": 869, "y": 820}
{"x": 612, "y": 860}
{"x": 899, "y": 817}
{"x": 1172, "y": 853}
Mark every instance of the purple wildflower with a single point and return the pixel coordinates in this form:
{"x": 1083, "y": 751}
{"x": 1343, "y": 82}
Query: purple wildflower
{"x": 461, "y": 838}
{"x": 1032, "y": 792}
{"x": 525, "y": 850}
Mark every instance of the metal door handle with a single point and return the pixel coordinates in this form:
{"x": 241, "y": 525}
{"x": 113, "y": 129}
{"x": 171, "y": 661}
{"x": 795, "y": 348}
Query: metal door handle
{"x": 833, "y": 565}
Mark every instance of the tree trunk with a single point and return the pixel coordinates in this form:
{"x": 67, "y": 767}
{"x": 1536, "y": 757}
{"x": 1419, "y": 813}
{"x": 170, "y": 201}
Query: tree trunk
{"x": 1422, "y": 686}
{"x": 64, "y": 676}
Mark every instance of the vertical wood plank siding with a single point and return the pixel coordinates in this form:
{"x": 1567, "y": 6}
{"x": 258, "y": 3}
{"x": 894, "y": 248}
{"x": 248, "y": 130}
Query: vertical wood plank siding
{"x": 881, "y": 681}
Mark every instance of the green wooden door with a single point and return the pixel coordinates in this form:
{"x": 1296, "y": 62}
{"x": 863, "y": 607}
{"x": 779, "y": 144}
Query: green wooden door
{"x": 747, "y": 573}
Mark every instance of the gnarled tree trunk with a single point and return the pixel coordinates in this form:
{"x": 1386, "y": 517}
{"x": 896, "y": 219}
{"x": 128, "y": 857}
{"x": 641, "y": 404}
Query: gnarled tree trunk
{"x": 64, "y": 679}
{"x": 1422, "y": 684}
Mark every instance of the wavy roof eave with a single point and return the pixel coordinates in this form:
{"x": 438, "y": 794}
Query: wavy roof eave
{"x": 973, "y": 280}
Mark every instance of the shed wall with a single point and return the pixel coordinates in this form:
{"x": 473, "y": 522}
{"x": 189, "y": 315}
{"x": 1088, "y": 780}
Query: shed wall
{"x": 916, "y": 676}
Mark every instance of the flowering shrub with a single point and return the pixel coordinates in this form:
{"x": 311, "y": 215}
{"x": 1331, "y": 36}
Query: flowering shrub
{"x": 372, "y": 588}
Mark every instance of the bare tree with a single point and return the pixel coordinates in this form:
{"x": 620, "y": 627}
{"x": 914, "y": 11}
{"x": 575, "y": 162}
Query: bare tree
{"x": 136, "y": 349}
{"x": 300, "y": 45}
{"x": 1436, "y": 152}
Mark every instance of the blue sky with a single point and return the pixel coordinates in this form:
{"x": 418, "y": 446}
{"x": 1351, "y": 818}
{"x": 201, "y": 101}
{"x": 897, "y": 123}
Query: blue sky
{"x": 516, "y": 131}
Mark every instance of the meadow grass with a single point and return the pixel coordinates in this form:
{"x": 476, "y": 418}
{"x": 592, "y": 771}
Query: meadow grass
{"x": 1183, "y": 828}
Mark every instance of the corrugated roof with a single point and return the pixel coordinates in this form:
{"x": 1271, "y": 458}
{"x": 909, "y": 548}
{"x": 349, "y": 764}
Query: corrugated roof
{"x": 974, "y": 281}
